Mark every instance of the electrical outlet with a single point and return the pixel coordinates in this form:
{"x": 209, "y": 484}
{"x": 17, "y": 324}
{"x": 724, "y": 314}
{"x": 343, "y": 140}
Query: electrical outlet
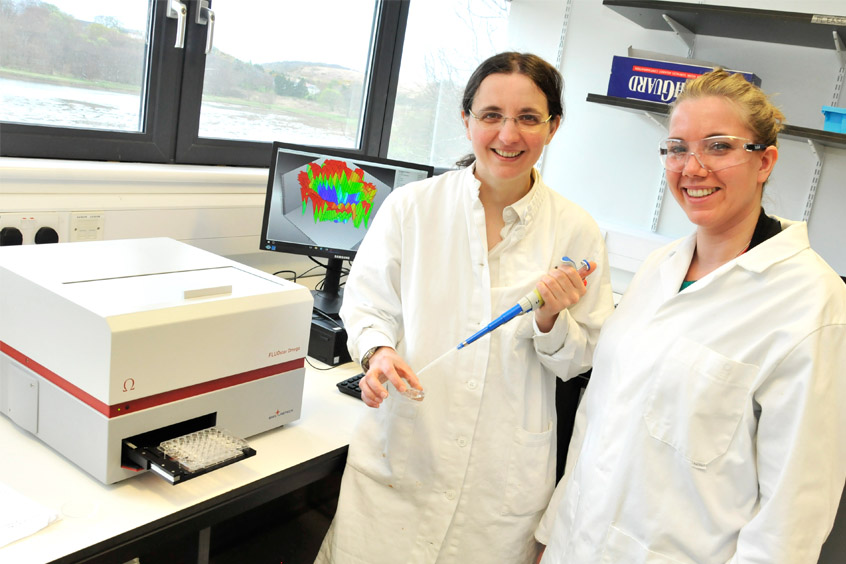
{"x": 35, "y": 227}
{"x": 87, "y": 226}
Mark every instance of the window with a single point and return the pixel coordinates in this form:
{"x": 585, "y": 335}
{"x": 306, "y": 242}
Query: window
{"x": 435, "y": 68}
{"x": 87, "y": 79}
{"x": 295, "y": 74}
{"x": 85, "y": 70}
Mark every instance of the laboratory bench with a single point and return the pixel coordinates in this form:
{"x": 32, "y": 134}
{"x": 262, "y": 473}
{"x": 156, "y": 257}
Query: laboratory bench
{"x": 271, "y": 508}
{"x": 276, "y": 504}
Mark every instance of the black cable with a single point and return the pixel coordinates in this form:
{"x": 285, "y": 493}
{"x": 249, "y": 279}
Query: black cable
{"x": 328, "y": 318}
{"x": 320, "y": 285}
{"x": 317, "y": 368}
{"x": 306, "y": 273}
{"x": 317, "y": 262}
{"x": 344, "y": 271}
{"x": 294, "y": 279}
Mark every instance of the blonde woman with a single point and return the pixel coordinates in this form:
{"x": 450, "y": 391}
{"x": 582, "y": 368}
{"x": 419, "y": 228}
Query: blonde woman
{"x": 713, "y": 428}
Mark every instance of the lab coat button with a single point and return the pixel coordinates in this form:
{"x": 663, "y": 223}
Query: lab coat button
{"x": 471, "y": 384}
{"x": 461, "y": 441}
{"x": 450, "y": 494}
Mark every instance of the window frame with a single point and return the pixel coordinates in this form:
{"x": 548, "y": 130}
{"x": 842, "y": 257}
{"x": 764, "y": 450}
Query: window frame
{"x": 174, "y": 92}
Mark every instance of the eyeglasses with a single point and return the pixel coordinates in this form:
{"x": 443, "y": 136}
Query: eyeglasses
{"x": 712, "y": 153}
{"x": 524, "y": 122}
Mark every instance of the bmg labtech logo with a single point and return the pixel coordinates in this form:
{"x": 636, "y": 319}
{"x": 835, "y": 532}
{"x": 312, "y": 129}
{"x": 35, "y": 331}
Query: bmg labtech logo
{"x": 278, "y": 413}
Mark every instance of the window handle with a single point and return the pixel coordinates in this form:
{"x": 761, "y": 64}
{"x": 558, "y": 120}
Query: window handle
{"x": 178, "y": 11}
{"x": 205, "y": 16}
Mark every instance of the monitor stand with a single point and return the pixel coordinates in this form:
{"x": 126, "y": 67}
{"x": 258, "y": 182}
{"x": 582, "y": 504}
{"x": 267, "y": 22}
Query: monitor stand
{"x": 329, "y": 299}
{"x": 327, "y": 303}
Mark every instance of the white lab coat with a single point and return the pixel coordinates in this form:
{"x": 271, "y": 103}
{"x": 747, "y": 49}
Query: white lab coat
{"x": 713, "y": 427}
{"x": 464, "y": 475}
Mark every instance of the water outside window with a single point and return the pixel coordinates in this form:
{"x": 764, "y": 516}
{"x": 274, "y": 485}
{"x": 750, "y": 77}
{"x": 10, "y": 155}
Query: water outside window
{"x": 288, "y": 71}
{"x": 74, "y": 63}
{"x": 279, "y": 71}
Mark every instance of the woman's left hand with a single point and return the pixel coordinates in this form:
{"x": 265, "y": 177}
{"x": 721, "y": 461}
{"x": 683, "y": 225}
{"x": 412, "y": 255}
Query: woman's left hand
{"x": 560, "y": 288}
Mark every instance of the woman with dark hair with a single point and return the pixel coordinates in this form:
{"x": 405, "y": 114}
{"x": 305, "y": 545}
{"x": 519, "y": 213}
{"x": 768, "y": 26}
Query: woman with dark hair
{"x": 464, "y": 475}
{"x": 713, "y": 427}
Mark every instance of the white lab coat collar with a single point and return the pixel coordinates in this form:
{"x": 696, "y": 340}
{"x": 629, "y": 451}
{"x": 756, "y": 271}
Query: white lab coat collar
{"x": 674, "y": 266}
{"x": 525, "y": 208}
{"x": 470, "y": 182}
{"x": 792, "y": 240}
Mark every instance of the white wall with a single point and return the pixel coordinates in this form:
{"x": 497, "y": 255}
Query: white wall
{"x": 218, "y": 209}
{"x": 605, "y": 158}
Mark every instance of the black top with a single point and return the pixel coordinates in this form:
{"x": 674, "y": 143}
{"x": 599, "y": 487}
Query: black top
{"x": 765, "y": 228}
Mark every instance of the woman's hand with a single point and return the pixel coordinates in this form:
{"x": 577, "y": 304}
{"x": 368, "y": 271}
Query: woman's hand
{"x": 560, "y": 288}
{"x": 386, "y": 364}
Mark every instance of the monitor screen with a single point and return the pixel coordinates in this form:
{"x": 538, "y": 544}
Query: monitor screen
{"x": 321, "y": 202}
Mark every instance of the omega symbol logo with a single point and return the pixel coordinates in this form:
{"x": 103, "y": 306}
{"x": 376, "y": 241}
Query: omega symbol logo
{"x": 129, "y": 385}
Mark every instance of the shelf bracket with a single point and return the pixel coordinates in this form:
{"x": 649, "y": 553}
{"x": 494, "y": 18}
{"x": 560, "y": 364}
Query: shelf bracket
{"x": 819, "y": 153}
{"x": 687, "y": 36}
{"x": 565, "y": 23}
{"x": 817, "y": 148}
{"x": 841, "y": 52}
{"x": 840, "y": 48}
{"x": 655, "y": 120}
{"x": 659, "y": 202}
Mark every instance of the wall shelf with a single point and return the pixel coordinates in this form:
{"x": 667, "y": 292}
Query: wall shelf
{"x": 789, "y": 28}
{"x": 827, "y": 138}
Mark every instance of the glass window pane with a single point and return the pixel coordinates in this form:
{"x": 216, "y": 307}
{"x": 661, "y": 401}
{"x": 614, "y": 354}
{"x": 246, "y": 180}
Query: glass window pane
{"x": 427, "y": 125}
{"x": 74, "y": 63}
{"x": 288, "y": 71}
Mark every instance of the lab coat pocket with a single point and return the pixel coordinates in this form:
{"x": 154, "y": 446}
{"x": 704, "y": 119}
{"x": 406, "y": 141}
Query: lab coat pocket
{"x": 697, "y": 399}
{"x": 621, "y": 548}
{"x": 531, "y": 473}
{"x": 383, "y": 440}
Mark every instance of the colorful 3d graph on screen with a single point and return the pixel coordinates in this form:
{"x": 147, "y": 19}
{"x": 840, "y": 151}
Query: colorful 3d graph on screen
{"x": 337, "y": 193}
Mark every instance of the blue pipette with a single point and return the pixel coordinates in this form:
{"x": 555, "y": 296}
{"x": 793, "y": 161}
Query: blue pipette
{"x": 529, "y": 302}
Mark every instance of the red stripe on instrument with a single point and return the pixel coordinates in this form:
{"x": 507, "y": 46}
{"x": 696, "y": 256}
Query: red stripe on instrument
{"x": 163, "y": 398}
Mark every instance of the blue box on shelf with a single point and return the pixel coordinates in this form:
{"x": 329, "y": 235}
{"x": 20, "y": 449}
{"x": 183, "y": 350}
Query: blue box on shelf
{"x": 655, "y": 80}
{"x": 835, "y": 119}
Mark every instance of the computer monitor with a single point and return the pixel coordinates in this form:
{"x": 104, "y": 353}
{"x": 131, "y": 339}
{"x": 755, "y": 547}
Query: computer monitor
{"x": 320, "y": 202}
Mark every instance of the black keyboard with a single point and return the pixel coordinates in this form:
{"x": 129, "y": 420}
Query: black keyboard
{"x": 350, "y": 386}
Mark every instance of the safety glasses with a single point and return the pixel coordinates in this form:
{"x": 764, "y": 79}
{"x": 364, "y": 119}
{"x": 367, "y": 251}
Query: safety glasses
{"x": 712, "y": 153}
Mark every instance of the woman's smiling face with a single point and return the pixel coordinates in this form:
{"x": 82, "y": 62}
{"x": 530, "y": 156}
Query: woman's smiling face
{"x": 717, "y": 200}
{"x": 507, "y": 152}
